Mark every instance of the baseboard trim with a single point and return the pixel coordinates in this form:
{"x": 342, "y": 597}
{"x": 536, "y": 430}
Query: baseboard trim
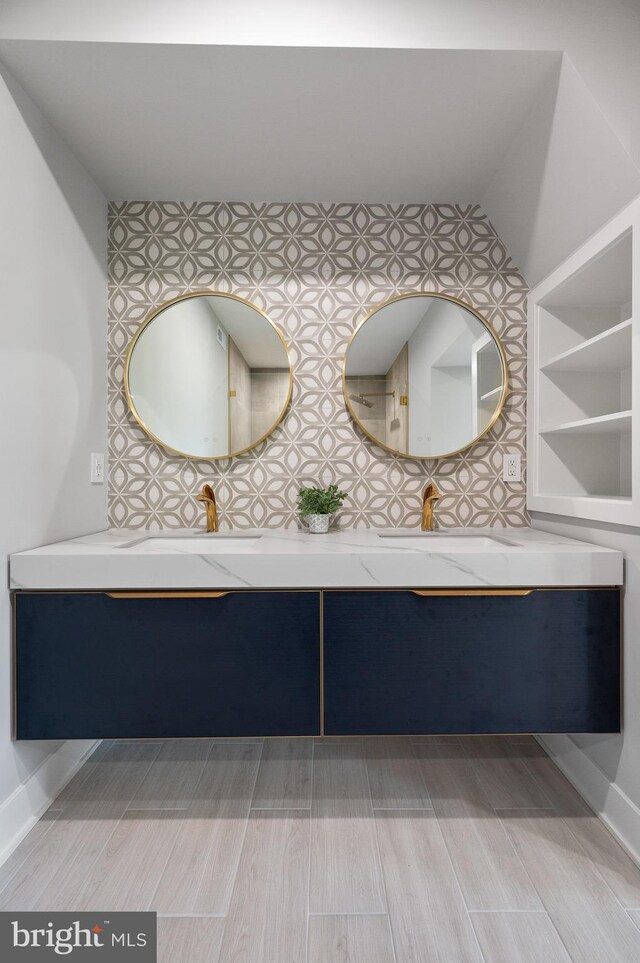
{"x": 23, "y": 808}
{"x": 617, "y": 811}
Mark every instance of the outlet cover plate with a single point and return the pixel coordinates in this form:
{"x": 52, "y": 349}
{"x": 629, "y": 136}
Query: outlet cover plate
{"x": 97, "y": 468}
{"x": 511, "y": 467}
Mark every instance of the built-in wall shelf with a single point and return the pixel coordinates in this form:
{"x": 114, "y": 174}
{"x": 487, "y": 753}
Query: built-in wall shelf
{"x": 491, "y": 394}
{"x": 608, "y": 351}
{"x": 584, "y": 408}
{"x": 617, "y": 423}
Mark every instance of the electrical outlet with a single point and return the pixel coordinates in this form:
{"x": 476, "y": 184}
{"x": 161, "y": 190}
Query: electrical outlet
{"x": 511, "y": 468}
{"x": 97, "y": 468}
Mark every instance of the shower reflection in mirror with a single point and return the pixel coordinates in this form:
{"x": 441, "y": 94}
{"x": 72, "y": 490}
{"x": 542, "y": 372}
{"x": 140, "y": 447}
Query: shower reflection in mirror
{"x": 425, "y": 376}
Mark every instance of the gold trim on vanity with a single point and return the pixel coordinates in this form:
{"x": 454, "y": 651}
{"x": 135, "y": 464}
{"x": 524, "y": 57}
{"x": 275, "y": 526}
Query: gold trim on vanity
{"x": 217, "y": 595}
{"x": 195, "y": 593}
{"x": 472, "y": 592}
{"x": 166, "y": 595}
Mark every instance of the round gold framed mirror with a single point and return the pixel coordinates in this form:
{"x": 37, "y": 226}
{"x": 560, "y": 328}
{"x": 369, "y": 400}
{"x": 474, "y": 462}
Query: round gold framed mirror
{"x": 424, "y": 375}
{"x": 208, "y": 375}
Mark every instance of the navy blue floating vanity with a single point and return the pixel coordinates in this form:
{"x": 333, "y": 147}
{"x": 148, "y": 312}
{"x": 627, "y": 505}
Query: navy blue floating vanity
{"x": 511, "y": 661}
{"x": 96, "y": 665}
{"x": 285, "y": 663}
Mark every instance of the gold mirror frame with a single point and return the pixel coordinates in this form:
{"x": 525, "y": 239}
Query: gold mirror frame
{"x": 503, "y": 361}
{"x": 127, "y": 361}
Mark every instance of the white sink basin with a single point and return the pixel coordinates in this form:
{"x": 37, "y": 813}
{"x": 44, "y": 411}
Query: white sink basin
{"x": 197, "y": 544}
{"x": 434, "y": 542}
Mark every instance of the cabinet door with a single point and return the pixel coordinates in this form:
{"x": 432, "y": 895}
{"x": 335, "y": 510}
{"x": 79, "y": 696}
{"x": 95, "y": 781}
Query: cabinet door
{"x": 94, "y": 666}
{"x": 400, "y": 662}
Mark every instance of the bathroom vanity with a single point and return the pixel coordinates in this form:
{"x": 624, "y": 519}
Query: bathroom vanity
{"x": 131, "y": 635}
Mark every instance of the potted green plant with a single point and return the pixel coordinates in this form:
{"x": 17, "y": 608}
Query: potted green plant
{"x": 316, "y": 506}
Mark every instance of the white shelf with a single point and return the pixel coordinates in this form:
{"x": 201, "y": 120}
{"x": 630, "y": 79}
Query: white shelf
{"x": 618, "y": 423}
{"x": 490, "y": 394}
{"x": 603, "y": 277}
{"x": 608, "y": 351}
{"x": 583, "y": 438}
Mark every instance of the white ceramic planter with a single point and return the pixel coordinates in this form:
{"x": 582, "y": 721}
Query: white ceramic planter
{"x": 318, "y": 524}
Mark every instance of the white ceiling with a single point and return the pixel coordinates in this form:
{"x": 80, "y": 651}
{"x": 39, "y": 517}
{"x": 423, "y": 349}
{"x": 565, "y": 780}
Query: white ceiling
{"x": 154, "y": 121}
{"x": 380, "y": 338}
{"x": 256, "y": 340}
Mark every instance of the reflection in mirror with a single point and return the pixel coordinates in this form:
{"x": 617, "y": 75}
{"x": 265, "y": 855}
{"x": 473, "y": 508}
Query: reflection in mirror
{"x": 208, "y": 376}
{"x": 425, "y": 376}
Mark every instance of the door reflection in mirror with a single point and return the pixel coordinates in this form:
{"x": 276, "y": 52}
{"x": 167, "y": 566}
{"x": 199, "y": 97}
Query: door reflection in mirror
{"x": 208, "y": 375}
{"x": 425, "y": 376}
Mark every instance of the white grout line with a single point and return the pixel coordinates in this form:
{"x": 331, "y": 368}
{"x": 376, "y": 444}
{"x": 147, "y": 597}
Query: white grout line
{"x": 190, "y": 916}
{"x": 459, "y": 885}
{"x": 157, "y": 809}
{"x": 306, "y": 942}
{"x": 379, "y": 852}
{"x": 246, "y": 825}
{"x": 280, "y": 809}
{"x": 212, "y": 746}
{"x": 373, "y": 913}
{"x": 402, "y": 809}
{"x": 417, "y": 762}
{"x": 453, "y": 866}
{"x": 507, "y": 911}
{"x": 177, "y": 808}
{"x": 97, "y": 856}
{"x": 497, "y": 810}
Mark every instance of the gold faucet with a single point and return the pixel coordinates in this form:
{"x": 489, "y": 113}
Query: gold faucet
{"x": 208, "y": 497}
{"x": 429, "y": 496}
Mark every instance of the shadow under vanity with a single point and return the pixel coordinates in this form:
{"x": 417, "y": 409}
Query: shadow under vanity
{"x": 284, "y": 633}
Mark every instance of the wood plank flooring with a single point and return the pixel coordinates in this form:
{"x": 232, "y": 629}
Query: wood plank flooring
{"x": 433, "y": 850}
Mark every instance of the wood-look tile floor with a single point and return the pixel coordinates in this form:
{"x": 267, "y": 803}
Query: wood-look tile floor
{"x": 432, "y": 850}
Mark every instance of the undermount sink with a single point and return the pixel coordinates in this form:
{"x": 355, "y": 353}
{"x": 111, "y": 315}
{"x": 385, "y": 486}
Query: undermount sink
{"x": 198, "y": 543}
{"x": 437, "y": 542}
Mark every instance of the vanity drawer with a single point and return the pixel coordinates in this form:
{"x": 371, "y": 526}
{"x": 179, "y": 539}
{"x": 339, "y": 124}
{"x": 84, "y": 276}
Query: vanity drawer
{"x": 403, "y": 662}
{"x": 127, "y": 665}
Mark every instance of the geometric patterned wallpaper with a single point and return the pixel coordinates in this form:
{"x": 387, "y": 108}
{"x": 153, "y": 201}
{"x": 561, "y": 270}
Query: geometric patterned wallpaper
{"x": 316, "y": 270}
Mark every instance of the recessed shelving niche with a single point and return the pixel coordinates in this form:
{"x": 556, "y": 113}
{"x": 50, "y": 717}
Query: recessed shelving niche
{"x": 583, "y": 407}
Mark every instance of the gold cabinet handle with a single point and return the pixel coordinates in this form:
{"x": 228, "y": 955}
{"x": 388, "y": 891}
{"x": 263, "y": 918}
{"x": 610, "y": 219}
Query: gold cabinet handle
{"x": 436, "y": 592}
{"x": 166, "y": 595}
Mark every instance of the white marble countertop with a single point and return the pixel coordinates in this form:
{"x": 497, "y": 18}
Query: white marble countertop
{"x": 270, "y": 558}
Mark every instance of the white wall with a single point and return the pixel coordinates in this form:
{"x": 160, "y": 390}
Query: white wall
{"x": 440, "y": 410}
{"x": 565, "y": 174}
{"x": 179, "y": 379}
{"x": 53, "y": 378}
{"x": 606, "y": 768}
